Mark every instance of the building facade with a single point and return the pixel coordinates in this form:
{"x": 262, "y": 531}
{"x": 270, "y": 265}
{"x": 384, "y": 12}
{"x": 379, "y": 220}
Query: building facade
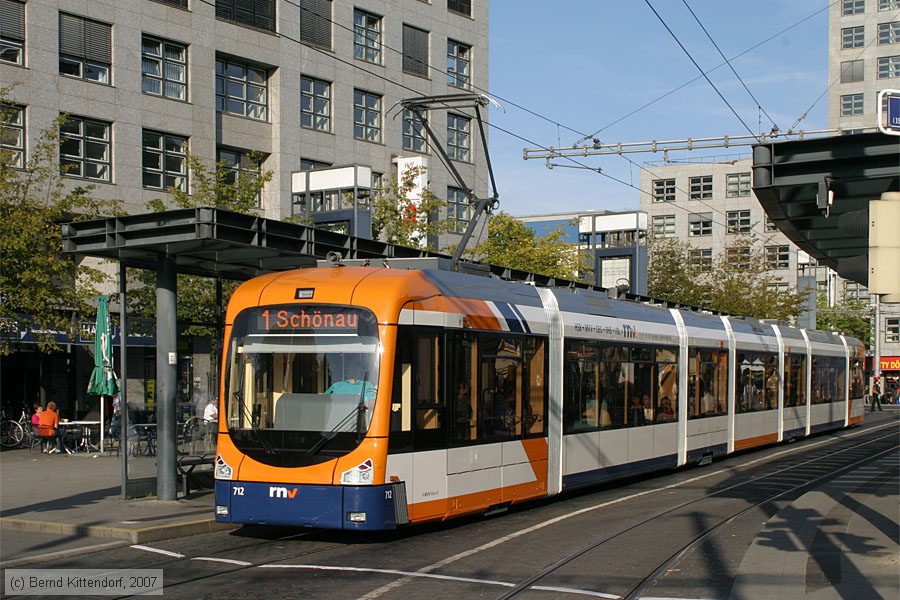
{"x": 614, "y": 242}
{"x": 863, "y": 59}
{"x": 249, "y": 85}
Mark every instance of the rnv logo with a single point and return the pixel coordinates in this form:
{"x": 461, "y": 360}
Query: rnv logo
{"x": 282, "y": 492}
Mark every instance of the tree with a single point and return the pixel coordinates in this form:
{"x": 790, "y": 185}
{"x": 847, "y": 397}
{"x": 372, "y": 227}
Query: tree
{"x": 511, "y": 243}
{"x": 42, "y": 289}
{"x": 216, "y": 186}
{"x": 849, "y": 316}
{"x": 398, "y": 219}
{"x": 741, "y": 281}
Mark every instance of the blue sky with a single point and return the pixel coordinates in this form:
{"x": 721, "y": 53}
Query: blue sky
{"x": 586, "y": 63}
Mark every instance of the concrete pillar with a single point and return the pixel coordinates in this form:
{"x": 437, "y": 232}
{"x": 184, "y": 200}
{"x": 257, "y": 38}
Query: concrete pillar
{"x": 123, "y": 380}
{"x": 166, "y": 373}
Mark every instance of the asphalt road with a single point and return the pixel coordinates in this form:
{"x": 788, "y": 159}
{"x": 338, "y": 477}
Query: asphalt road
{"x": 691, "y": 527}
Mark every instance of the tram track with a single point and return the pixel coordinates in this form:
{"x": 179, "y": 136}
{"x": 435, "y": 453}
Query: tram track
{"x": 236, "y": 566}
{"x": 683, "y": 551}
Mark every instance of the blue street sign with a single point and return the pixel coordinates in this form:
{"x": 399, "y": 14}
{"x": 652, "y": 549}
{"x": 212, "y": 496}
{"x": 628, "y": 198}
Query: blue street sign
{"x": 893, "y": 112}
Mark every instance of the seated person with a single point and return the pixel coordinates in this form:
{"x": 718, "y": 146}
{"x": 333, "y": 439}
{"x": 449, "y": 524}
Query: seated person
{"x": 665, "y": 413}
{"x": 352, "y": 386}
{"x": 637, "y": 412}
{"x": 48, "y": 427}
{"x": 36, "y": 418}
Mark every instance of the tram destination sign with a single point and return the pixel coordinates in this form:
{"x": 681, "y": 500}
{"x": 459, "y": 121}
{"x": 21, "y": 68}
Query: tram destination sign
{"x": 311, "y": 319}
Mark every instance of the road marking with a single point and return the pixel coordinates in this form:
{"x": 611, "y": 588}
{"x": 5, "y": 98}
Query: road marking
{"x": 157, "y": 551}
{"x": 565, "y": 590}
{"x": 378, "y": 592}
{"x": 229, "y": 561}
{"x": 414, "y": 574}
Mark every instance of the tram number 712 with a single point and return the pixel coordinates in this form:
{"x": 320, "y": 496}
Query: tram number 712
{"x": 237, "y": 490}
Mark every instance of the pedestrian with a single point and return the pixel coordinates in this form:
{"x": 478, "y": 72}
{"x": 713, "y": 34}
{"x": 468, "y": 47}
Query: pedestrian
{"x": 866, "y": 395}
{"x": 876, "y": 396}
{"x": 115, "y": 423}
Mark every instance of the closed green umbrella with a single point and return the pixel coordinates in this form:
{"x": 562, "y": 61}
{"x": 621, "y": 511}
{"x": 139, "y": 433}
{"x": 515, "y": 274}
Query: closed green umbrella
{"x": 103, "y": 380}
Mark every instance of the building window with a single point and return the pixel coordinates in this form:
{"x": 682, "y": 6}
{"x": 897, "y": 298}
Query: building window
{"x": 664, "y": 226}
{"x": 84, "y": 149}
{"x": 664, "y": 190}
{"x": 458, "y": 210}
{"x": 178, "y": 3}
{"x": 415, "y": 51}
{"x": 778, "y": 257}
{"x": 459, "y": 62}
{"x": 366, "y": 36}
{"x": 255, "y": 13}
{"x": 701, "y": 187}
{"x": 739, "y": 257}
{"x": 315, "y": 103}
{"x": 892, "y": 330}
{"x": 856, "y": 291}
{"x": 413, "y": 132}
{"x": 737, "y": 184}
{"x": 12, "y": 32}
{"x": 852, "y": 37}
{"x": 738, "y": 221}
{"x": 699, "y": 224}
{"x": 241, "y": 89}
{"x": 366, "y": 116}
{"x": 12, "y": 135}
{"x": 852, "y": 71}
{"x": 308, "y": 164}
{"x": 458, "y": 136}
{"x": 770, "y": 225}
{"x": 778, "y": 287}
{"x": 888, "y": 67}
{"x": 164, "y": 68}
{"x": 165, "y": 161}
{"x": 238, "y": 165}
{"x": 889, "y": 33}
{"x": 85, "y": 48}
{"x": 853, "y": 7}
{"x": 888, "y": 5}
{"x": 702, "y": 257}
{"x": 463, "y": 7}
{"x": 851, "y": 105}
{"x": 315, "y": 22}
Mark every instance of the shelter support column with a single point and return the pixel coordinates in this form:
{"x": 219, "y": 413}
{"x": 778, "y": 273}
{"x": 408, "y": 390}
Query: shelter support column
{"x": 166, "y": 372}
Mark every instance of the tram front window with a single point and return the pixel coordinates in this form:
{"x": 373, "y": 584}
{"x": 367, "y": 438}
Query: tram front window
{"x": 301, "y": 382}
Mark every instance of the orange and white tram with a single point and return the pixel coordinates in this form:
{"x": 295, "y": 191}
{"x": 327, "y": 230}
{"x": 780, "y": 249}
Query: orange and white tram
{"x": 367, "y": 398}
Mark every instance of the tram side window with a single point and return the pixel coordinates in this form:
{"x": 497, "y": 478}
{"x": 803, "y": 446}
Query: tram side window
{"x": 828, "y": 376}
{"x": 501, "y": 377}
{"x": 418, "y": 413}
{"x": 462, "y": 378}
{"x": 582, "y": 383}
{"x": 840, "y": 369}
{"x": 757, "y": 387}
{"x": 856, "y": 378}
{"x": 794, "y": 380}
{"x": 667, "y": 385}
{"x": 707, "y": 383}
{"x": 536, "y": 392}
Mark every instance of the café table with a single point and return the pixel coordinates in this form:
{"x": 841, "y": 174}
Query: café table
{"x": 145, "y": 432}
{"x": 83, "y": 434}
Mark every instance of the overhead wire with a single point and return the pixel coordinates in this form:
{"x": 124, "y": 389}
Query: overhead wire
{"x": 699, "y": 68}
{"x": 730, "y": 66}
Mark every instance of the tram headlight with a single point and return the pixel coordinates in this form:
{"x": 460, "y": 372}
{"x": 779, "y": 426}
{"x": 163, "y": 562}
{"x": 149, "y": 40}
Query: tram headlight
{"x": 357, "y": 517}
{"x": 221, "y": 510}
{"x": 361, "y": 474}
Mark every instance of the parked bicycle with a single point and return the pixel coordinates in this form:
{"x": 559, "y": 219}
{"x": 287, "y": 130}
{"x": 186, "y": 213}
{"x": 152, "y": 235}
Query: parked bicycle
{"x": 11, "y": 432}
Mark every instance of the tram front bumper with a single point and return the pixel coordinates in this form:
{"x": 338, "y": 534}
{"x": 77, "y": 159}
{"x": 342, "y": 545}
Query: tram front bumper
{"x": 364, "y": 507}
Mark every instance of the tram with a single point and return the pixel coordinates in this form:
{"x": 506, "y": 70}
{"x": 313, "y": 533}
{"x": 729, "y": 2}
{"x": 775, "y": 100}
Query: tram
{"x": 366, "y": 398}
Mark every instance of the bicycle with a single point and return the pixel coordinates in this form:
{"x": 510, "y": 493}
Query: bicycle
{"x": 11, "y": 432}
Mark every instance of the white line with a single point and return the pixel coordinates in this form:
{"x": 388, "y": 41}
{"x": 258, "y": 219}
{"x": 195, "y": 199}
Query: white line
{"x": 451, "y": 559}
{"x": 229, "y": 561}
{"x": 565, "y": 590}
{"x": 157, "y": 550}
{"x": 390, "y": 572}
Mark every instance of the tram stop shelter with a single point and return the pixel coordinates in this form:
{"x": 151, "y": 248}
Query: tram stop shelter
{"x": 817, "y": 192}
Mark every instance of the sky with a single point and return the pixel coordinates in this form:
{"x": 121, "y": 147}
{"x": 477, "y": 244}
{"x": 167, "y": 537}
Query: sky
{"x": 584, "y": 64}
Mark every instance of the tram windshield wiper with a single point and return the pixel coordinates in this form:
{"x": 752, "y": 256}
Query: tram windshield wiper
{"x": 358, "y": 413}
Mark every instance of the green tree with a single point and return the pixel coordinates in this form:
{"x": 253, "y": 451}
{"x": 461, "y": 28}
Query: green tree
{"x": 216, "y": 186}
{"x": 849, "y": 316}
{"x": 41, "y": 288}
{"x": 740, "y": 281}
{"x": 398, "y": 219}
{"x": 511, "y": 243}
